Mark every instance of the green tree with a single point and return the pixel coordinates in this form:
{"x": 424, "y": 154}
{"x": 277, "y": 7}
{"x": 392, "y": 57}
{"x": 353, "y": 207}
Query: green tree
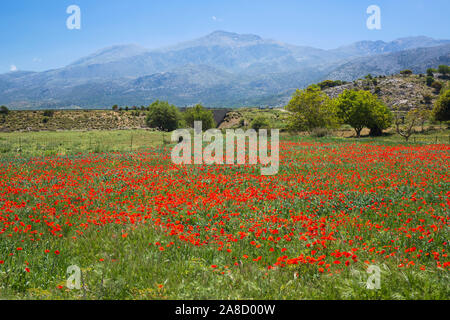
{"x": 441, "y": 111}
{"x": 405, "y": 122}
{"x": 260, "y": 123}
{"x": 163, "y": 116}
{"x": 200, "y": 113}
{"x": 423, "y": 114}
{"x": 361, "y": 109}
{"x": 311, "y": 108}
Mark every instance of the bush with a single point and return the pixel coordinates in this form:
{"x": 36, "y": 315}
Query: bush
{"x": 441, "y": 111}
{"x": 427, "y": 98}
{"x": 200, "y": 113}
{"x": 443, "y": 69}
{"x": 330, "y": 84}
{"x": 49, "y": 113}
{"x": 4, "y": 110}
{"x": 430, "y": 72}
{"x": 406, "y": 72}
{"x": 260, "y": 123}
{"x": 429, "y": 80}
{"x": 437, "y": 86}
{"x": 163, "y": 116}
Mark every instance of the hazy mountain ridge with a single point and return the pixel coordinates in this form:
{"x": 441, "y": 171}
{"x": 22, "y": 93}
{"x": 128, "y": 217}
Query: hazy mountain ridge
{"x": 222, "y": 69}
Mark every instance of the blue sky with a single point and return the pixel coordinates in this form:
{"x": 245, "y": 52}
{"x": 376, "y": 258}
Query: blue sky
{"x": 34, "y": 36}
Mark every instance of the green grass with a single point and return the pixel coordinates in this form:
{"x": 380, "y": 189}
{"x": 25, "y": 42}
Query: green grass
{"x": 47, "y": 143}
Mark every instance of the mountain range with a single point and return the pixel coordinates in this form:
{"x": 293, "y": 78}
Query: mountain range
{"x": 222, "y": 69}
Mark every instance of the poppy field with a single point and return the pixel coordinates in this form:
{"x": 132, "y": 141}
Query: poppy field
{"x": 140, "y": 227}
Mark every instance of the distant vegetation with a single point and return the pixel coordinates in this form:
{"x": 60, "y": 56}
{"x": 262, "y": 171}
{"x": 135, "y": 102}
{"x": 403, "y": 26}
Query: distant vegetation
{"x": 373, "y": 105}
{"x": 330, "y": 84}
{"x": 199, "y": 113}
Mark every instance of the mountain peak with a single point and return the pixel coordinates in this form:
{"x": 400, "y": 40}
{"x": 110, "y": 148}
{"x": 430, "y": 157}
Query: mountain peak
{"x": 232, "y": 35}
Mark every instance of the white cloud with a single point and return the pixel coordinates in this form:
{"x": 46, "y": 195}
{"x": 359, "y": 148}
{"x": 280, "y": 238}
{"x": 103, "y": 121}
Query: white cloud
{"x": 13, "y": 68}
{"x": 37, "y": 60}
{"x": 216, "y": 19}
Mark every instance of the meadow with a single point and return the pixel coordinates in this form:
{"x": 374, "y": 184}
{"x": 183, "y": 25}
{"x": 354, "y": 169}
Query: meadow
{"x": 140, "y": 227}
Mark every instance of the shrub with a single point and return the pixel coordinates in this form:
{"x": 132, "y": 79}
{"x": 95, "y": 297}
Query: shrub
{"x": 330, "y": 84}
{"x": 427, "y": 98}
{"x": 437, "y": 86}
{"x": 429, "y": 80}
{"x": 430, "y": 72}
{"x": 200, "y": 113}
{"x": 444, "y": 69}
{"x": 406, "y": 72}
{"x": 163, "y": 116}
{"x": 4, "y": 110}
{"x": 260, "y": 123}
{"x": 49, "y": 113}
{"x": 441, "y": 111}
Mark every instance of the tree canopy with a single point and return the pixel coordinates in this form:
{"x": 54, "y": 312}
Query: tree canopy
{"x": 163, "y": 116}
{"x": 441, "y": 109}
{"x": 361, "y": 109}
{"x": 199, "y": 113}
{"x": 311, "y": 108}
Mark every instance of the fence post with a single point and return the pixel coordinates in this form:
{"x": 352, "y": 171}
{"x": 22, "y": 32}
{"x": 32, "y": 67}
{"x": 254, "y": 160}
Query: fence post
{"x": 131, "y": 144}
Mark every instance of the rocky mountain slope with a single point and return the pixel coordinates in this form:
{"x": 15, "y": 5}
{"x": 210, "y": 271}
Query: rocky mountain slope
{"x": 404, "y": 92}
{"x": 222, "y": 69}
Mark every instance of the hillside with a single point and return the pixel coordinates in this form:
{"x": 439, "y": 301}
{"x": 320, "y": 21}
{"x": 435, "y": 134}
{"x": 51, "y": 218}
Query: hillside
{"x": 71, "y": 120}
{"x": 404, "y": 92}
{"x": 85, "y": 120}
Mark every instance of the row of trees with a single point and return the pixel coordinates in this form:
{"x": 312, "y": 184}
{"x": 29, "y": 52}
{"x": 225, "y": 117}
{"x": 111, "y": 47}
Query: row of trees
{"x": 311, "y": 109}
